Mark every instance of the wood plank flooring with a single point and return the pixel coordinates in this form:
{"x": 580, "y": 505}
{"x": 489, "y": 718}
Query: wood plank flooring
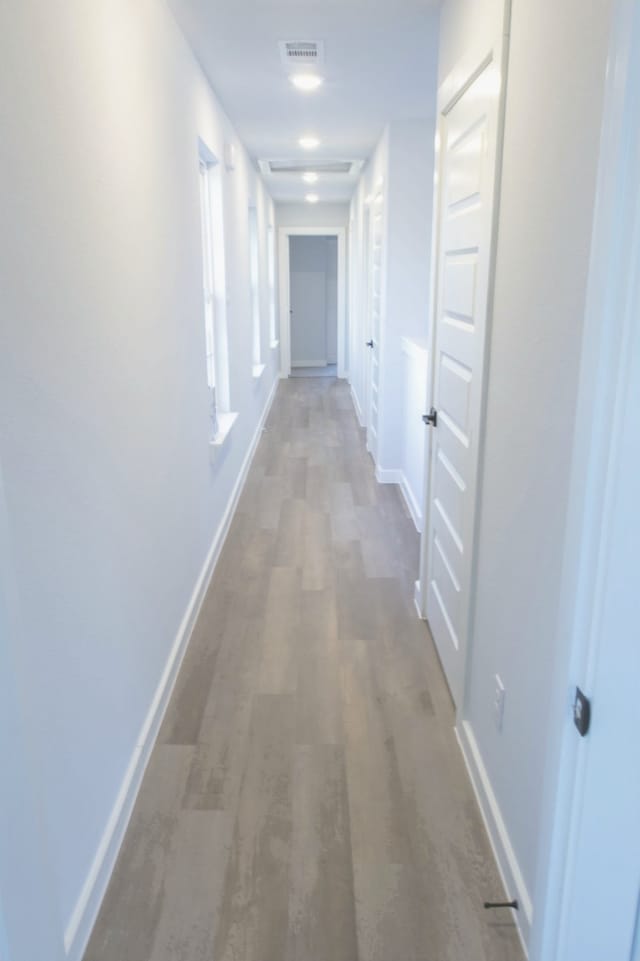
{"x": 306, "y": 799}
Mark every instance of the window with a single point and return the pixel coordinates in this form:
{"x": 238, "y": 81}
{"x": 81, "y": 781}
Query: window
{"x": 208, "y": 290}
{"x": 254, "y": 272}
{"x": 214, "y": 297}
{"x": 271, "y": 253}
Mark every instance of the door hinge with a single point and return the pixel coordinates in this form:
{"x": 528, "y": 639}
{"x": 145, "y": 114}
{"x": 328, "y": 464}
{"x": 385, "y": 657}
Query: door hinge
{"x": 431, "y": 419}
{"x": 582, "y": 713}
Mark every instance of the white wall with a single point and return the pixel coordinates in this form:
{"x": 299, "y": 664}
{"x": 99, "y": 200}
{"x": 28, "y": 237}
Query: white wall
{"x": 373, "y": 179}
{"x": 401, "y": 169}
{"x": 409, "y": 224}
{"x": 414, "y": 436}
{"x": 26, "y": 882}
{"x": 112, "y": 500}
{"x": 312, "y": 215}
{"x": 553, "y": 111}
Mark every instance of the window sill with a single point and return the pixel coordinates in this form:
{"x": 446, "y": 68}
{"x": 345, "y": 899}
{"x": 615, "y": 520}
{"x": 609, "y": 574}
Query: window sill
{"x": 258, "y": 371}
{"x": 225, "y": 423}
{"x": 274, "y": 344}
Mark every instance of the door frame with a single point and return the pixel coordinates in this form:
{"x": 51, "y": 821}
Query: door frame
{"x": 495, "y": 47}
{"x": 612, "y": 307}
{"x": 365, "y": 315}
{"x": 284, "y": 275}
{"x": 376, "y": 206}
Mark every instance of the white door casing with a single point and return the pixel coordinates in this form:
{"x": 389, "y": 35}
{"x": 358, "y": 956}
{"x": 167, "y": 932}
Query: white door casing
{"x": 376, "y": 237}
{"x": 284, "y": 295}
{"x": 365, "y": 314}
{"x": 470, "y": 109}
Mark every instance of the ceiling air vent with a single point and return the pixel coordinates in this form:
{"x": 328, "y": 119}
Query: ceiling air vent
{"x": 286, "y": 167}
{"x": 302, "y": 53}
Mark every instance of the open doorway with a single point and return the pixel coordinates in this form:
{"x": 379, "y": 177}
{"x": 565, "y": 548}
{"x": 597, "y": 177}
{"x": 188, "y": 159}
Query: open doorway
{"x": 312, "y": 301}
{"x": 313, "y": 305}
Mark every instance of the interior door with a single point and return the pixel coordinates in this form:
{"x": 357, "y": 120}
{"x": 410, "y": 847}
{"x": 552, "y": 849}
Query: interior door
{"x": 469, "y": 114}
{"x": 598, "y": 855}
{"x": 365, "y": 331}
{"x": 375, "y": 322}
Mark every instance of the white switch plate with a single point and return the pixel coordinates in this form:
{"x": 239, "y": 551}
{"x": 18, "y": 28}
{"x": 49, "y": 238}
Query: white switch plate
{"x": 498, "y": 703}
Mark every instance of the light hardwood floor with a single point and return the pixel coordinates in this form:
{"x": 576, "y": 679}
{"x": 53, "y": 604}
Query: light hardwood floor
{"x": 306, "y": 799}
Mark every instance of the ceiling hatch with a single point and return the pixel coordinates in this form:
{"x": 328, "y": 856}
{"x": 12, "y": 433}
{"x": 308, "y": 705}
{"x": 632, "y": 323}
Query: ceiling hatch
{"x": 303, "y": 53}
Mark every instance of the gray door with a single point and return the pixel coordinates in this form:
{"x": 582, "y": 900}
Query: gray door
{"x": 313, "y": 303}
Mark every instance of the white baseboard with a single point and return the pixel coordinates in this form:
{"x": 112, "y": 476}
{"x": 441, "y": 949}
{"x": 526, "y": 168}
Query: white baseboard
{"x": 412, "y": 503}
{"x": 505, "y": 856}
{"x": 309, "y": 363}
{"x": 356, "y": 404}
{"x": 418, "y": 601}
{"x": 85, "y": 912}
{"x": 388, "y": 475}
{"x": 393, "y": 475}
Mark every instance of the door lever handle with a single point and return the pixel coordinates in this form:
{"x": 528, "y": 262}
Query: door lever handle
{"x": 431, "y": 419}
{"x": 369, "y": 343}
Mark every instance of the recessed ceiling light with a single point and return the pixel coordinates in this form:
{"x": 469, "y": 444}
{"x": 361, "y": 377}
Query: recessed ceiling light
{"x": 309, "y": 143}
{"x": 310, "y": 177}
{"x": 306, "y": 82}
{"x": 312, "y": 198}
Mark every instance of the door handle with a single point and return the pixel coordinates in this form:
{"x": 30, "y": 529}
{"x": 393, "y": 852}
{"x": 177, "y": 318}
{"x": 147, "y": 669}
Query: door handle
{"x": 431, "y": 419}
{"x": 369, "y": 343}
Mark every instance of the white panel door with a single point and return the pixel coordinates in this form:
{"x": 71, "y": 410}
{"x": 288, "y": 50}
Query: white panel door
{"x": 468, "y": 140}
{"x": 364, "y": 332}
{"x": 594, "y": 872}
{"x": 375, "y": 322}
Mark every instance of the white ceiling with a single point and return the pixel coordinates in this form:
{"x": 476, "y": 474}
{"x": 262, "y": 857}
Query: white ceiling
{"x": 378, "y": 67}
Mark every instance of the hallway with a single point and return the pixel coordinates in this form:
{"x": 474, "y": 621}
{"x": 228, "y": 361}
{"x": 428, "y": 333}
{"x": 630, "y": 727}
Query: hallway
{"x": 306, "y": 798}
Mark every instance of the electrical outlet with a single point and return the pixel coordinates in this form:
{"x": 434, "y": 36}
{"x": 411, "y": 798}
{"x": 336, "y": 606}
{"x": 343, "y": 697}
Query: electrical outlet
{"x": 498, "y": 703}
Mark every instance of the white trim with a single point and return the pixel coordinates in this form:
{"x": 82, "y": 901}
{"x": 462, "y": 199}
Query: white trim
{"x": 417, "y": 599}
{"x": 388, "y": 475}
{"x": 226, "y": 421}
{"x": 311, "y": 363}
{"x": 284, "y": 282}
{"x": 83, "y": 916}
{"x": 357, "y": 407}
{"x": 415, "y": 348}
{"x": 258, "y": 370}
{"x": 394, "y": 475}
{"x": 411, "y": 502}
{"x": 502, "y": 847}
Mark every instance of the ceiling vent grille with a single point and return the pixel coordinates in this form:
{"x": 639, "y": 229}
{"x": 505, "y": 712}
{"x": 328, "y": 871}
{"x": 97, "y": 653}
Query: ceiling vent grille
{"x": 333, "y": 167}
{"x": 301, "y": 52}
